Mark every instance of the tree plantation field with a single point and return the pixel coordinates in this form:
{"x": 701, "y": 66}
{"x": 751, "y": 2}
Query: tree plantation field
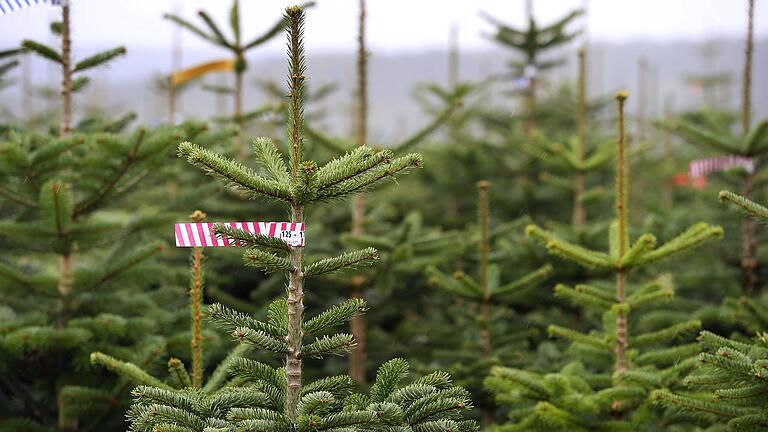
{"x": 535, "y": 256}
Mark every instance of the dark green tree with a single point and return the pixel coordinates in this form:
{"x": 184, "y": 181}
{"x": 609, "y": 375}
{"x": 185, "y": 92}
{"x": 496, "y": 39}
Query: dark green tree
{"x": 75, "y": 276}
{"x": 79, "y": 263}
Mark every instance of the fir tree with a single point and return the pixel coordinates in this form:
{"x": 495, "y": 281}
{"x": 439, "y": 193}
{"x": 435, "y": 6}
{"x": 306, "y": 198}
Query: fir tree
{"x": 71, "y": 79}
{"x": 75, "y": 278}
{"x": 609, "y": 392}
{"x": 578, "y": 158}
{"x": 62, "y": 199}
{"x": 711, "y": 133}
{"x": 259, "y": 397}
{"x": 484, "y": 293}
{"x": 238, "y": 48}
{"x": 532, "y": 42}
{"x": 728, "y": 385}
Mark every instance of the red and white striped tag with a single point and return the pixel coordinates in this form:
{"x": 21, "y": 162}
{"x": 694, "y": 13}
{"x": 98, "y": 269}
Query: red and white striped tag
{"x": 702, "y": 167}
{"x": 202, "y": 235}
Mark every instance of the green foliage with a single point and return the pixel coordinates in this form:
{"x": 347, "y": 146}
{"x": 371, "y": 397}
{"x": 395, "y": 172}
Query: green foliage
{"x": 728, "y": 385}
{"x": 487, "y": 296}
{"x": 535, "y": 40}
{"x": 260, "y": 397}
{"x": 708, "y": 132}
{"x": 75, "y": 277}
{"x": 620, "y": 362}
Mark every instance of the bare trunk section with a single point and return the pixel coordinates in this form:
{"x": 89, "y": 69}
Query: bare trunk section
{"x": 358, "y": 357}
{"x": 66, "y": 279}
{"x": 530, "y": 107}
{"x": 295, "y": 337}
{"x": 578, "y": 182}
{"x": 171, "y": 102}
{"x": 453, "y": 57}
{"x": 746, "y": 108}
{"x": 65, "y": 127}
{"x": 749, "y": 262}
{"x": 485, "y": 333}
{"x": 66, "y": 259}
{"x": 485, "y": 307}
{"x": 622, "y": 339}
{"x": 196, "y": 299}
{"x": 196, "y": 287}
{"x": 483, "y": 216}
{"x": 749, "y": 241}
{"x": 622, "y": 343}
{"x": 239, "y": 147}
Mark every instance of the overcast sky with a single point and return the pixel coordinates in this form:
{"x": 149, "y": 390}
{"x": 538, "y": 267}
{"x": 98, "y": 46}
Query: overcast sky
{"x": 394, "y": 25}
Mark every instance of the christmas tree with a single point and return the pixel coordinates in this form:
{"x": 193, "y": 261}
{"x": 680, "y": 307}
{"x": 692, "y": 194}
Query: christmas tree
{"x": 619, "y": 363}
{"x": 715, "y": 133}
{"x": 489, "y": 297}
{"x": 728, "y": 385}
{"x": 75, "y": 279}
{"x": 260, "y": 397}
{"x": 532, "y": 42}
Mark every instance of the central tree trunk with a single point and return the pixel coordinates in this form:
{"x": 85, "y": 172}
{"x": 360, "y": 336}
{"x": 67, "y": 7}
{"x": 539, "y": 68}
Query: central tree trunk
{"x": 66, "y": 260}
{"x": 622, "y": 217}
{"x": 195, "y": 305}
{"x": 239, "y": 147}
{"x": 578, "y": 181}
{"x": 359, "y": 356}
{"x": 295, "y": 337}
{"x": 749, "y": 262}
{"x": 622, "y": 340}
{"x": 749, "y": 241}
{"x": 483, "y": 216}
{"x": 65, "y": 125}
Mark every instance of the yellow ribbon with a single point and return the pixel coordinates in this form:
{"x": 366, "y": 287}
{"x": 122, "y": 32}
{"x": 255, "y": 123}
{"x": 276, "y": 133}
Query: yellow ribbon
{"x": 185, "y": 75}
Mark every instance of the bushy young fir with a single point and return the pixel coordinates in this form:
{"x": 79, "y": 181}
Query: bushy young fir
{"x": 259, "y": 397}
{"x": 620, "y": 362}
{"x": 76, "y": 277}
{"x": 80, "y": 264}
{"x": 727, "y": 388}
